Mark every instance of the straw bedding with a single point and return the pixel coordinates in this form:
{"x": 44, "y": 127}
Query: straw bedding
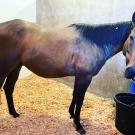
{"x": 43, "y": 107}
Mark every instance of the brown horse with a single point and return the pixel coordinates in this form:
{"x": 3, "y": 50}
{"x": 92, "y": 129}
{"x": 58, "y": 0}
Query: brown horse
{"x": 79, "y": 50}
{"x": 129, "y": 52}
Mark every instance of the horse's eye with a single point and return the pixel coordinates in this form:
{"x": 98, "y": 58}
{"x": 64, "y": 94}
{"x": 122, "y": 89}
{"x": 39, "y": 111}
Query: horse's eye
{"x": 131, "y": 38}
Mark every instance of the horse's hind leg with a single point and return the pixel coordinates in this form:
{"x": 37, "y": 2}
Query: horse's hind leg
{"x": 9, "y": 88}
{"x": 81, "y": 85}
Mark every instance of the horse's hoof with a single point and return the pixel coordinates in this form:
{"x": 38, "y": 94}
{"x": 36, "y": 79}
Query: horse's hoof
{"x": 81, "y": 130}
{"x": 71, "y": 116}
{"x": 15, "y": 115}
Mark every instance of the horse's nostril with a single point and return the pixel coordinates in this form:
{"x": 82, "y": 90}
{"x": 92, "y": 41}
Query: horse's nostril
{"x": 130, "y": 73}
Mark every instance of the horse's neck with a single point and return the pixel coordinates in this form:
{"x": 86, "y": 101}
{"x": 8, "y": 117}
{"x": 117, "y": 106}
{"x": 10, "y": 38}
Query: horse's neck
{"x": 112, "y": 49}
{"x": 109, "y": 38}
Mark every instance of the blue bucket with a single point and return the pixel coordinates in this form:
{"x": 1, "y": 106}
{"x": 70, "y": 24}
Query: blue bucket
{"x": 132, "y": 86}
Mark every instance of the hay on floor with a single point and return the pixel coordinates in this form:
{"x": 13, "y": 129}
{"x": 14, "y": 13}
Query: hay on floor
{"x": 43, "y": 107}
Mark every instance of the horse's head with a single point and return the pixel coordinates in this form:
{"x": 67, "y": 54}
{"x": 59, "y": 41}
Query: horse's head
{"x": 129, "y": 52}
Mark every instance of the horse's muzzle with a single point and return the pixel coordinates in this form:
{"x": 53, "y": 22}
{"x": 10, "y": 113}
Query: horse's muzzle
{"x": 130, "y": 72}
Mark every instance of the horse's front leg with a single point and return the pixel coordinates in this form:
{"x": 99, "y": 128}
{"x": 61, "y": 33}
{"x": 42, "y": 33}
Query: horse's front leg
{"x": 81, "y": 85}
{"x": 72, "y": 106}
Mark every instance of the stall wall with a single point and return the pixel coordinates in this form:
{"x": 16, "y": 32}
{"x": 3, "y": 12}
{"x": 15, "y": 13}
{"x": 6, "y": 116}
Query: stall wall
{"x": 61, "y": 13}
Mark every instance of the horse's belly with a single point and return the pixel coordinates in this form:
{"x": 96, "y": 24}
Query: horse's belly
{"x": 50, "y": 72}
{"x": 50, "y": 68}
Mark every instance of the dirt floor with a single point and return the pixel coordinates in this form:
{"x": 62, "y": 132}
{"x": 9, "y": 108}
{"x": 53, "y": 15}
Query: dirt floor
{"x": 43, "y": 107}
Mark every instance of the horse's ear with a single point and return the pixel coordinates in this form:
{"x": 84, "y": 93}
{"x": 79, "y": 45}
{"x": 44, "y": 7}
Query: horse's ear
{"x": 133, "y": 18}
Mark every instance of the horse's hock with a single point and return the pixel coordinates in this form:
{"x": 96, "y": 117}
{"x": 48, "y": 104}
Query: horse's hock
{"x": 59, "y": 13}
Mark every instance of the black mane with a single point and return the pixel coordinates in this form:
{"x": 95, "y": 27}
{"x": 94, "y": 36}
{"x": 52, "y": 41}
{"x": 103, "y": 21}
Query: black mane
{"x": 114, "y": 33}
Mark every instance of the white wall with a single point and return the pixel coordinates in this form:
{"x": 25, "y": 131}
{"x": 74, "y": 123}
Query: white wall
{"x": 64, "y": 12}
{"x": 20, "y": 9}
